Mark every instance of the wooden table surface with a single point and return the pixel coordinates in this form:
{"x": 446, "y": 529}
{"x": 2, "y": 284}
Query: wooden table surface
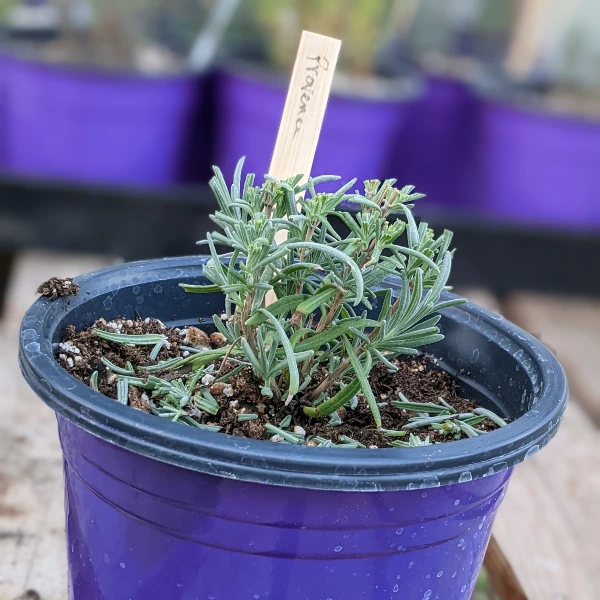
{"x": 546, "y": 543}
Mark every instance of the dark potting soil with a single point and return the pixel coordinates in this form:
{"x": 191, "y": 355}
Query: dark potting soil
{"x": 55, "y": 287}
{"x": 418, "y": 379}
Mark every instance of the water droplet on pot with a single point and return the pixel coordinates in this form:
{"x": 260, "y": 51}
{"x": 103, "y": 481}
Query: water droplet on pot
{"x": 180, "y": 585}
{"x": 463, "y": 589}
{"x": 440, "y": 573}
{"x": 427, "y": 595}
{"x": 456, "y": 502}
{"x": 337, "y": 549}
{"x": 122, "y": 565}
{"x": 106, "y": 559}
{"x": 424, "y": 495}
{"x": 396, "y": 588}
{"x": 158, "y": 288}
{"x": 108, "y": 302}
{"x": 535, "y": 448}
{"x": 32, "y": 348}
{"x": 410, "y": 564}
{"x": 399, "y": 531}
{"x": 464, "y": 477}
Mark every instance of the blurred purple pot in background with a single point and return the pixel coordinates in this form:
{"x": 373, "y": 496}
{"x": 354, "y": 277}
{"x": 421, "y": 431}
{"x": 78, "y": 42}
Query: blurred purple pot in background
{"x": 539, "y": 168}
{"x": 437, "y": 151}
{"x": 100, "y": 126}
{"x": 357, "y": 139}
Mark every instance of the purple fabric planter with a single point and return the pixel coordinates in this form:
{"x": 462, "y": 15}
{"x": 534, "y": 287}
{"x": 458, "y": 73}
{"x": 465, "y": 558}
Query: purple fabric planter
{"x": 100, "y": 127}
{"x": 440, "y": 143}
{"x": 539, "y": 168}
{"x": 357, "y": 138}
{"x": 157, "y": 510}
{"x": 147, "y": 530}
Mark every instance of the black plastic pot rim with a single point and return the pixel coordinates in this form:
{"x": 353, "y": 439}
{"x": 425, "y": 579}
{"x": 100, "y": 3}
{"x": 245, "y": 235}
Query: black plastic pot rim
{"x": 286, "y": 465}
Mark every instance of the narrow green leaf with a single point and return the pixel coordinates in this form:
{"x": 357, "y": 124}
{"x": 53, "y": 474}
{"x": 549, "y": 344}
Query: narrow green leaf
{"x": 289, "y": 352}
{"x": 342, "y": 257}
{"x": 363, "y": 375}
{"x": 279, "y": 307}
{"x": 147, "y": 339}
{"x": 327, "y": 407}
{"x": 311, "y": 304}
{"x": 334, "y": 332}
{"x": 200, "y": 289}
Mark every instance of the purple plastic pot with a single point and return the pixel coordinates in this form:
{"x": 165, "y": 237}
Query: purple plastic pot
{"x": 99, "y": 126}
{"x": 440, "y": 156}
{"x": 7, "y": 65}
{"x": 157, "y": 510}
{"x": 539, "y": 168}
{"x": 357, "y": 138}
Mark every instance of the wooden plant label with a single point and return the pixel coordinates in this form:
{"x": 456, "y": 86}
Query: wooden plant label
{"x": 305, "y": 105}
{"x": 303, "y": 112}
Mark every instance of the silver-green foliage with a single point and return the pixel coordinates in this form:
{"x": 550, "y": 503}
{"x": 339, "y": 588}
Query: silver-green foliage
{"x": 324, "y": 285}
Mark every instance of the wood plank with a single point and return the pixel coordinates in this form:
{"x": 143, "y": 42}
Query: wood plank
{"x": 502, "y": 576}
{"x": 32, "y": 544}
{"x": 546, "y": 532}
{"x": 549, "y": 523}
{"x": 571, "y": 327}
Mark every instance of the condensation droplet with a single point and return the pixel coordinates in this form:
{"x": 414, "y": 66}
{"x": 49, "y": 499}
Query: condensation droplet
{"x": 456, "y": 502}
{"x": 464, "y": 477}
{"x": 396, "y": 588}
{"x": 32, "y": 348}
{"x": 440, "y": 573}
{"x": 535, "y": 448}
{"x": 122, "y": 565}
{"x": 106, "y": 559}
{"x": 463, "y": 589}
{"x": 337, "y": 549}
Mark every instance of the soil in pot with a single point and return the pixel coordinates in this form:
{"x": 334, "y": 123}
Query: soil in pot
{"x": 231, "y": 395}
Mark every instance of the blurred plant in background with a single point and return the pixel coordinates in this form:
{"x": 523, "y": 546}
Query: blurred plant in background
{"x": 146, "y": 35}
{"x": 268, "y": 30}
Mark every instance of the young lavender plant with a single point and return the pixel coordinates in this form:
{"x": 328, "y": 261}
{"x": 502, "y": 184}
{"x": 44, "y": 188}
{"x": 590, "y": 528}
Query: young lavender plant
{"x": 331, "y": 312}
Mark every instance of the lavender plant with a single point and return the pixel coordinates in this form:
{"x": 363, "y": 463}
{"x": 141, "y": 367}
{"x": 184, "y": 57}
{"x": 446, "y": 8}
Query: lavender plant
{"x": 329, "y": 314}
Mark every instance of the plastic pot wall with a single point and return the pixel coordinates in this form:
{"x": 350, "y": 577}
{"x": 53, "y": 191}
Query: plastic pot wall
{"x": 159, "y": 510}
{"x": 539, "y": 168}
{"x": 98, "y": 126}
{"x": 357, "y": 139}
